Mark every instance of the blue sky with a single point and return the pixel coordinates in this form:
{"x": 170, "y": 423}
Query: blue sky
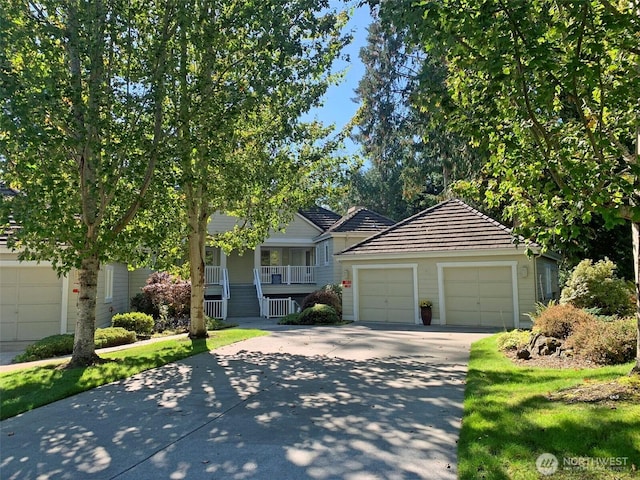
{"x": 339, "y": 107}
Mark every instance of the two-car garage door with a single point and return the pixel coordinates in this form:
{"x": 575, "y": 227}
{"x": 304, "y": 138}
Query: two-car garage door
{"x": 30, "y": 302}
{"x": 479, "y": 295}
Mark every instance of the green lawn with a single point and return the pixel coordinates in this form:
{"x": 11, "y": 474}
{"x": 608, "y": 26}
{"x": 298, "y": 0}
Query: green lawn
{"x": 508, "y": 421}
{"x": 32, "y": 387}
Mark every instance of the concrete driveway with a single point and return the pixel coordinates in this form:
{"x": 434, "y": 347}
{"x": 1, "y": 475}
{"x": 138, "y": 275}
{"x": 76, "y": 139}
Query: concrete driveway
{"x": 362, "y": 401}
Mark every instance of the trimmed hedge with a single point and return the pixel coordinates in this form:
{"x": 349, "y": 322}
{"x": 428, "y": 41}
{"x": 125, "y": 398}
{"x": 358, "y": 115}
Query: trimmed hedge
{"x": 319, "y": 314}
{"x": 60, "y": 345}
{"x": 48, "y": 347}
{"x": 324, "y": 297}
{"x": 138, "y": 322}
{"x": 114, "y": 336}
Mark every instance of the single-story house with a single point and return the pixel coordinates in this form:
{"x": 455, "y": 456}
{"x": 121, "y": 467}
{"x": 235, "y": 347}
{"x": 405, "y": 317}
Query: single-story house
{"x": 469, "y": 265}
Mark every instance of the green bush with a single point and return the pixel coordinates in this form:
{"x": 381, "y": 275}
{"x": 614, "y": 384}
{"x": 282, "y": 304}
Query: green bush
{"x": 60, "y": 345}
{"x": 53, "y": 346}
{"x": 324, "y": 296}
{"x": 113, "y": 336}
{"x": 605, "y": 342}
{"x": 138, "y": 322}
{"x": 596, "y": 286}
{"x": 319, "y": 314}
{"x": 561, "y": 320}
{"x": 291, "y": 319}
{"x": 218, "y": 324}
{"x": 513, "y": 340}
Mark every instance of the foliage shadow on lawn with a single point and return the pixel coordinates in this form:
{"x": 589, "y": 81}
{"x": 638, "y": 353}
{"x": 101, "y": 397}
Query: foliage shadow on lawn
{"x": 509, "y": 421}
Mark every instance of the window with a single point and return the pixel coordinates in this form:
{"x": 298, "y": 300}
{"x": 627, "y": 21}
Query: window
{"x": 269, "y": 257}
{"x": 326, "y": 253}
{"x": 212, "y": 256}
{"x": 108, "y": 283}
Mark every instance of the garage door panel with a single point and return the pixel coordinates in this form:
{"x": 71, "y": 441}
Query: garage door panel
{"x": 374, "y": 302}
{"x": 460, "y": 317}
{"x": 8, "y": 294}
{"x": 493, "y": 274}
{"x": 30, "y": 303}
{"x": 495, "y": 290}
{"x": 496, "y": 319}
{"x": 464, "y": 304}
{"x": 37, "y": 329}
{"x": 479, "y": 296}
{"x": 386, "y": 295}
{"x": 376, "y": 289}
{"x": 461, "y": 275}
{"x": 39, "y": 295}
{"x": 373, "y": 314}
{"x": 8, "y": 276}
{"x": 39, "y": 276}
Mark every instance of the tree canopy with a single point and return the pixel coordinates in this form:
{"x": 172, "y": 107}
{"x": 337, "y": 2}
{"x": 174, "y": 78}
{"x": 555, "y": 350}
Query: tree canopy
{"x": 551, "y": 89}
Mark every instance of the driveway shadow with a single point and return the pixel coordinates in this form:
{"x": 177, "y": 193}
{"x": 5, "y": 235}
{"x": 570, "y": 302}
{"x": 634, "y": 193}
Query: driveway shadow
{"x": 250, "y": 415}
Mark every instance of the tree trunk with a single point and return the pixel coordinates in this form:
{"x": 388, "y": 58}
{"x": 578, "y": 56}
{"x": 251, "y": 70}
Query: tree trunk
{"x": 196, "y": 239}
{"x": 635, "y": 229}
{"x": 84, "y": 348}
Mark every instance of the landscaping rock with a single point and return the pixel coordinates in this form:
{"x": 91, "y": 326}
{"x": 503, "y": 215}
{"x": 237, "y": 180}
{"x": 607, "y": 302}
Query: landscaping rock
{"x": 543, "y": 346}
{"x": 524, "y": 354}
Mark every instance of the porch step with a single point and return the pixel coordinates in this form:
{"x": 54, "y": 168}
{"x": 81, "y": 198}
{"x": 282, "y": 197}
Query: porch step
{"x": 243, "y": 301}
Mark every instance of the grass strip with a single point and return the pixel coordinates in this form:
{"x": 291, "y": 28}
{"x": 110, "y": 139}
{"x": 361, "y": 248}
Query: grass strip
{"x": 509, "y": 421}
{"x": 25, "y": 389}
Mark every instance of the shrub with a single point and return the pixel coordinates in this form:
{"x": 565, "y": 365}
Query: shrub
{"x": 596, "y": 286}
{"x": 605, "y": 342}
{"x": 113, "y": 336}
{"x": 325, "y": 297}
{"x": 53, "y": 346}
{"x": 291, "y": 319}
{"x": 513, "y": 340}
{"x": 218, "y": 324}
{"x": 162, "y": 289}
{"x": 138, "y": 322}
{"x": 142, "y": 303}
{"x": 319, "y": 314}
{"x": 560, "y": 320}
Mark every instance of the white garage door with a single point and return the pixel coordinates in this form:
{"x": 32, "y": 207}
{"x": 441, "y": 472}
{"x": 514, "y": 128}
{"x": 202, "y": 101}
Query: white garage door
{"x": 30, "y": 303}
{"x": 481, "y": 296}
{"x": 386, "y": 295}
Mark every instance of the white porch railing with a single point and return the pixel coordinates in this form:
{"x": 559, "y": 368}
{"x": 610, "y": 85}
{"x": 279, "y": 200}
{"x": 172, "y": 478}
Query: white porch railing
{"x": 278, "y": 307}
{"x": 216, "y": 308}
{"x": 288, "y": 274}
{"x": 217, "y": 276}
{"x": 213, "y": 275}
{"x": 258, "y": 284}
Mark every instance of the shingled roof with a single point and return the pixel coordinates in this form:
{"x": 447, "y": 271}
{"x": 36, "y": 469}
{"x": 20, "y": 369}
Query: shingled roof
{"x": 320, "y": 217}
{"x": 361, "y": 219}
{"x": 450, "y": 225}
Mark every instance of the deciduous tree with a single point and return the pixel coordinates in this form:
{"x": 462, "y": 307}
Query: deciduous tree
{"x": 244, "y": 74}
{"x": 81, "y": 131}
{"x": 553, "y": 89}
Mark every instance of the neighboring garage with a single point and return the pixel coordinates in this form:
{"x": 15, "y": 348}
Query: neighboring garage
{"x": 467, "y": 264}
{"x": 386, "y": 294}
{"x": 31, "y": 299}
